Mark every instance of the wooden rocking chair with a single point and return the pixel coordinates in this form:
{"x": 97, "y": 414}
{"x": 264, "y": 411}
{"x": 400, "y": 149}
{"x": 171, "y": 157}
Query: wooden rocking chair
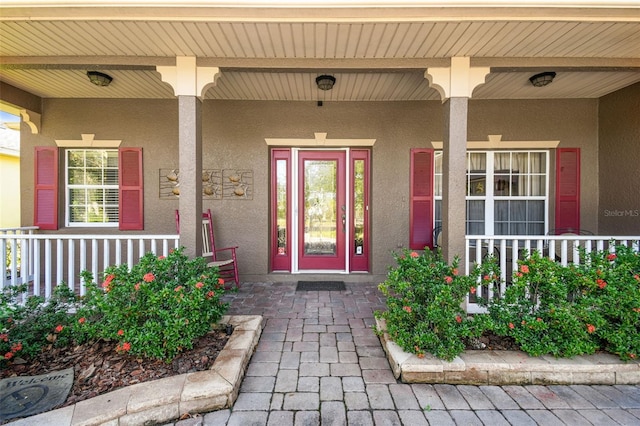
{"x": 226, "y": 263}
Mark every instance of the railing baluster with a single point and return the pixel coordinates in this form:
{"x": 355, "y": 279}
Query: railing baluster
{"x": 83, "y": 262}
{"x": 71, "y": 260}
{"x": 47, "y": 268}
{"x": 130, "y": 253}
{"x": 59, "y": 262}
{"x": 35, "y": 266}
{"x": 3, "y": 254}
{"x": 95, "y": 258}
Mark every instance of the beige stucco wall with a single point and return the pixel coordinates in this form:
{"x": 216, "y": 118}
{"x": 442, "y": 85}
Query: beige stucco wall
{"x": 619, "y": 167}
{"x": 234, "y": 135}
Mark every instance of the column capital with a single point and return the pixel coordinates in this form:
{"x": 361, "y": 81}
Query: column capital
{"x": 458, "y": 80}
{"x": 188, "y": 79}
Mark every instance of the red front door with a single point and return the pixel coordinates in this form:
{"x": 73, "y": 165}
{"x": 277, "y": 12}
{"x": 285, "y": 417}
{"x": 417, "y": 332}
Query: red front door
{"x": 322, "y": 210}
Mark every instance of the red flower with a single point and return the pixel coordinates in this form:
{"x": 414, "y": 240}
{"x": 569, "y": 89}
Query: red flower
{"x": 107, "y": 282}
{"x": 414, "y": 254}
{"x": 148, "y": 277}
{"x": 448, "y": 279}
{"x": 59, "y": 328}
{"x": 199, "y": 284}
{"x": 407, "y": 308}
{"x": 126, "y": 346}
{"x": 161, "y": 257}
{"x": 82, "y": 320}
{"x": 591, "y": 328}
{"x": 632, "y": 356}
{"x": 486, "y": 278}
{"x": 611, "y": 256}
{"x": 539, "y": 319}
{"x": 519, "y": 274}
{"x": 472, "y": 290}
{"x": 637, "y": 277}
{"x": 458, "y": 319}
{"x": 8, "y": 355}
{"x": 634, "y": 310}
{"x": 4, "y": 337}
{"x": 601, "y": 283}
{"x": 178, "y": 288}
{"x": 16, "y": 347}
{"x": 511, "y": 326}
{"x": 524, "y": 269}
{"x": 137, "y": 286}
{"x": 220, "y": 283}
{"x": 120, "y": 332}
{"x": 455, "y": 271}
{"x": 210, "y": 295}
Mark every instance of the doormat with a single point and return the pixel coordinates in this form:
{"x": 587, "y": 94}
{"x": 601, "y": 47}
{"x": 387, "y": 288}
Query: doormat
{"x": 320, "y": 286}
{"x": 24, "y": 396}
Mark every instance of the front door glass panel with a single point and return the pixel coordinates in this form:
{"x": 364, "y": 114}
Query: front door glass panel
{"x": 320, "y": 210}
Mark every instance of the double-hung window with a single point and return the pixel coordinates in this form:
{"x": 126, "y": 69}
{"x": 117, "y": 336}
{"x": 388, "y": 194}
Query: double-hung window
{"x": 91, "y": 187}
{"x": 507, "y": 192}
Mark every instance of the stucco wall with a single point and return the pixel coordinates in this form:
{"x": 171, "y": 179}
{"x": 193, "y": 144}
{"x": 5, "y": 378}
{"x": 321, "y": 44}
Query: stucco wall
{"x": 619, "y": 167}
{"x": 234, "y": 135}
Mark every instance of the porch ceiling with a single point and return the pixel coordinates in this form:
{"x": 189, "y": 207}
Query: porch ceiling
{"x": 275, "y": 53}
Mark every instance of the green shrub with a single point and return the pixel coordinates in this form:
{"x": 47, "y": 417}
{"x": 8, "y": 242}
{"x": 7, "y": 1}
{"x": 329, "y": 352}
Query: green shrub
{"x": 157, "y": 309}
{"x": 27, "y": 328}
{"x": 541, "y": 309}
{"x": 547, "y": 308}
{"x": 424, "y": 305}
{"x": 611, "y": 295}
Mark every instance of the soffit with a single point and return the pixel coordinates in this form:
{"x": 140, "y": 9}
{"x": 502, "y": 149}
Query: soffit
{"x": 275, "y": 54}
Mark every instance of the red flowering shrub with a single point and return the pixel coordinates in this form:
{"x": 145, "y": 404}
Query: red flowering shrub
{"x": 574, "y": 309}
{"x": 424, "y": 306}
{"x": 156, "y": 309}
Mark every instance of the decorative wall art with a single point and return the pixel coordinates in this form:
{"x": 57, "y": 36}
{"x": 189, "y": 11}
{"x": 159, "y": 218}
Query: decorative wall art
{"x": 237, "y": 183}
{"x": 217, "y": 184}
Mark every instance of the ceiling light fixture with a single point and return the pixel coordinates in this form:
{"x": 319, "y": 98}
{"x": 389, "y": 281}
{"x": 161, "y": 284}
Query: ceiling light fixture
{"x": 98, "y": 78}
{"x": 542, "y": 79}
{"x": 325, "y": 82}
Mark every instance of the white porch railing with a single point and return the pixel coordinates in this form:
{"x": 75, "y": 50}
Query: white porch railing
{"x": 507, "y": 249}
{"x": 43, "y": 261}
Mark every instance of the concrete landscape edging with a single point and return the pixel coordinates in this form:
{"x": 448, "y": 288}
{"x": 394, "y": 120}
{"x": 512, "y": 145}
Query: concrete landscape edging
{"x": 493, "y": 367}
{"x": 167, "y": 399}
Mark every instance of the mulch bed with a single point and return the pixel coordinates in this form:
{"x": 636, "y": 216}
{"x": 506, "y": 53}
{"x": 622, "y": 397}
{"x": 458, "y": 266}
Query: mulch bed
{"x": 493, "y": 342}
{"x": 99, "y": 369}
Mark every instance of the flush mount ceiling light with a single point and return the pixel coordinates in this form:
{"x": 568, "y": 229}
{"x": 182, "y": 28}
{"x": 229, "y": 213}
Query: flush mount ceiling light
{"x": 325, "y": 82}
{"x": 542, "y": 79}
{"x": 99, "y": 78}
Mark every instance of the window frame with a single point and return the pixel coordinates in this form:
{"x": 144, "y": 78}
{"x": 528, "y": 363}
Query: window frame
{"x": 489, "y": 197}
{"x": 69, "y": 187}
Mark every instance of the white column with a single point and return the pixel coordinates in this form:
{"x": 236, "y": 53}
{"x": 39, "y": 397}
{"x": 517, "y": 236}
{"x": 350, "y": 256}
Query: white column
{"x": 455, "y": 85}
{"x": 189, "y": 83}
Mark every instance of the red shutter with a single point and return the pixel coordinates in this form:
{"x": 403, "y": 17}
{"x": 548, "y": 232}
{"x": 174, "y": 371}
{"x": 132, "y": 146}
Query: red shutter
{"x": 46, "y": 187}
{"x": 421, "y": 199}
{"x": 131, "y": 194}
{"x": 568, "y": 188}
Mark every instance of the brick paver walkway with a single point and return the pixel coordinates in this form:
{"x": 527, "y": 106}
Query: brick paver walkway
{"x": 319, "y": 362}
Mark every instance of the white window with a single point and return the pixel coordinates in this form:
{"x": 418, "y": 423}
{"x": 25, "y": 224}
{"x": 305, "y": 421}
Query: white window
{"x": 91, "y": 187}
{"x": 507, "y": 192}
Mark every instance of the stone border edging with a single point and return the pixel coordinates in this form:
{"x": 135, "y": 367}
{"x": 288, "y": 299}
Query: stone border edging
{"x": 484, "y": 367}
{"x": 164, "y": 400}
